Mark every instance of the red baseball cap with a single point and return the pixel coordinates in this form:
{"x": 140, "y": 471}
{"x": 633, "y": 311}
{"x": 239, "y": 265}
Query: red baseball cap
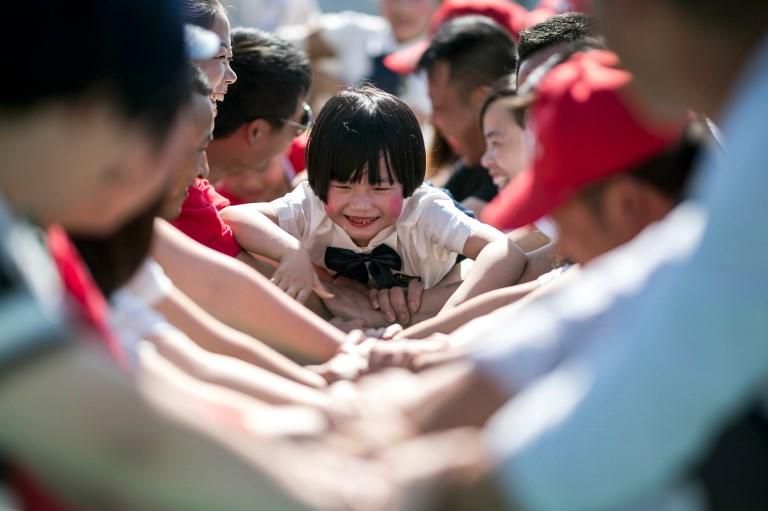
{"x": 506, "y": 13}
{"x": 585, "y": 133}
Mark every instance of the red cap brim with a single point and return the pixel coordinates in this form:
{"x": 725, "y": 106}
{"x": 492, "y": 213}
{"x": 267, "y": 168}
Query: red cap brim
{"x": 405, "y": 60}
{"x": 523, "y": 201}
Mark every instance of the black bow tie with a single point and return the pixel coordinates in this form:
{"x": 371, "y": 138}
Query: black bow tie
{"x": 377, "y": 264}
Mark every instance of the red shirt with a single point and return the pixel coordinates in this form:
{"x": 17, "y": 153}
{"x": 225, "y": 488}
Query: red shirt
{"x": 93, "y": 310}
{"x": 201, "y": 221}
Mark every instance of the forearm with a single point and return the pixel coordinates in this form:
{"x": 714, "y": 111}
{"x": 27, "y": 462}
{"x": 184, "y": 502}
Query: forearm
{"x": 216, "y": 337}
{"x": 242, "y": 298}
{"x": 449, "y": 320}
{"x": 257, "y": 234}
{"x": 234, "y": 374}
{"x": 499, "y": 264}
{"x": 85, "y": 414}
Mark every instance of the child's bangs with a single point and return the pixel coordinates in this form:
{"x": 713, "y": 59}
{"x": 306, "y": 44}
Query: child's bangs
{"x": 359, "y": 150}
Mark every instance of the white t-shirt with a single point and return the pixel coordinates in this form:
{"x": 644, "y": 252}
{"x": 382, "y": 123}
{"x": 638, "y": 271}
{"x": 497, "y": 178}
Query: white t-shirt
{"x": 429, "y": 234}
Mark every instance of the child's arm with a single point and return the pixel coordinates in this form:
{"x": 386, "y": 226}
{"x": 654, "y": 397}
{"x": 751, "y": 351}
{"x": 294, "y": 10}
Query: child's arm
{"x": 498, "y": 263}
{"x": 231, "y": 291}
{"x": 255, "y": 228}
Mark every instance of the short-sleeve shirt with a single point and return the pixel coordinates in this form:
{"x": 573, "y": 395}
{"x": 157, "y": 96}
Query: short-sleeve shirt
{"x": 430, "y": 232}
{"x": 200, "y": 219}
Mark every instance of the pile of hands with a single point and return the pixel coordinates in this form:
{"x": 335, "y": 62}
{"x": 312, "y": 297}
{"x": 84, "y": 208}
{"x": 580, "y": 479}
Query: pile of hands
{"x": 354, "y": 304}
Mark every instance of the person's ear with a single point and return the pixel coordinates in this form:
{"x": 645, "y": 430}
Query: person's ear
{"x": 624, "y": 208}
{"x": 478, "y": 95}
{"x": 257, "y": 130}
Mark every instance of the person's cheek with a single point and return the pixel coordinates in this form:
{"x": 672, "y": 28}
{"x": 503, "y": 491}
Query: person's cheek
{"x": 395, "y": 205}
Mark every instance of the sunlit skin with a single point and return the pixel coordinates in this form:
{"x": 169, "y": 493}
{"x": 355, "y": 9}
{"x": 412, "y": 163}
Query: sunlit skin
{"x": 363, "y": 210}
{"x": 217, "y": 69}
{"x": 198, "y": 134}
{"x": 505, "y": 154}
{"x": 253, "y": 145}
{"x": 259, "y": 185}
{"x": 455, "y": 114}
{"x": 408, "y": 18}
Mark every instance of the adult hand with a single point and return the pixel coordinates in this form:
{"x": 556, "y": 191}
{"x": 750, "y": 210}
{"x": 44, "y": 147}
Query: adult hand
{"x": 398, "y": 304}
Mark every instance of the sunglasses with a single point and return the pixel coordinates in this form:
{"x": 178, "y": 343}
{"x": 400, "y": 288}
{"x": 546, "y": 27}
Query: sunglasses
{"x": 304, "y": 123}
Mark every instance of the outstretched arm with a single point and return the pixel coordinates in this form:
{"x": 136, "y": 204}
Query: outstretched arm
{"x": 498, "y": 263}
{"x": 216, "y": 337}
{"x": 241, "y": 297}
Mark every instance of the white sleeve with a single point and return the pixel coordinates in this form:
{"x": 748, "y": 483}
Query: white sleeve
{"x": 294, "y": 211}
{"x": 150, "y": 283}
{"x": 133, "y": 321}
{"x": 442, "y": 223}
{"x": 683, "y": 354}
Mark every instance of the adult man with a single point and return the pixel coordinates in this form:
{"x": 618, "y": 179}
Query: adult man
{"x": 264, "y": 110}
{"x": 465, "y": 57}
{"x": 678, "y": 348}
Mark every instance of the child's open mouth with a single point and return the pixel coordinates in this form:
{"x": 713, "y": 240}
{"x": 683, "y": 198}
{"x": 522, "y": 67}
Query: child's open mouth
{"x": 360, "y": 221}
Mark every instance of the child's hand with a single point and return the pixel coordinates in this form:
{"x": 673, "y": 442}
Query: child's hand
{"x": 398, "y": 304}
{"x": 296, "y": 276}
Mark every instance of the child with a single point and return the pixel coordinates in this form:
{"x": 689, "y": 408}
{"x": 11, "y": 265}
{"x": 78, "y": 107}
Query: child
{"x": 365, "y": 213}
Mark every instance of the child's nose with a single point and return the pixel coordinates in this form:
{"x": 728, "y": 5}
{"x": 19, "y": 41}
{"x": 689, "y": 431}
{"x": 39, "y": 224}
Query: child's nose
{"x": 361, "y": 199}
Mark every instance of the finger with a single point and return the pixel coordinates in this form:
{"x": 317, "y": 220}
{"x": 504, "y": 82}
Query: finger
{"x": 373, "y": 298}
{"x": 415, "y": 292}
{"x": 293, "y": 291}
{"x": 302, "y": 296}
{"x": 385, "y": 306}
{"x": 391, "y": 331}
{"x": 397, "y": 299}
{"x": 320, "y": 290}
{"x": 355, "y": 337}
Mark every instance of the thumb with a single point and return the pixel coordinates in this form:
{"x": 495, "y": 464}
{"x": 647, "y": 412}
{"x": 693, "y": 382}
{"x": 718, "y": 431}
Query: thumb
{"x": 320, "y": 290}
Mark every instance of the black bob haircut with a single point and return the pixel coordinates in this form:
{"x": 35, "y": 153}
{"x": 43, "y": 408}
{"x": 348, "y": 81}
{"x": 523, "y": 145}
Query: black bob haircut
{"x": 358, "y": 128}
{"x": 129, "y": 53}
{"x": 271, "y": 77}
{"x": 478, "y": 51}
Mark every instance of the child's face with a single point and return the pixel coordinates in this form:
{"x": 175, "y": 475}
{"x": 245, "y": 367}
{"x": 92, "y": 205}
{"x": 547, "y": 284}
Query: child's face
{"x": 363, "y": 210}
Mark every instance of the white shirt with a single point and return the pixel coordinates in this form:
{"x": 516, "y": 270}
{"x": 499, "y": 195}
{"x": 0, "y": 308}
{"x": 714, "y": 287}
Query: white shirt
{"x": 667, "y": 361}
{"x": 428, "y": 235}
{"x": 131, "y": 316}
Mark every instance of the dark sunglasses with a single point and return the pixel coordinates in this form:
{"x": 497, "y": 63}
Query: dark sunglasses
{"x": 304, "y": 123}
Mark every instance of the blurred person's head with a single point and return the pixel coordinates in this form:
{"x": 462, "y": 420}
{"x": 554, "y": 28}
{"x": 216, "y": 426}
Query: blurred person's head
{"x": 198, "y": 132}
{"x": 511, "y": 16}
{"x": 87, "y": 141}
{"x": 466, "y": 56}
{"x": 597, "y": 171}
{"x": 408, "y": 18}
{"x": 539, "y": 42}
{"x": 692, "y": 51}
{"x": 502, "y": 122}
{"x": 262, "y": 185}
{"x": 211, "y": 15}
{"x": 265, "y": 109}
{"x": 365, "y": 156}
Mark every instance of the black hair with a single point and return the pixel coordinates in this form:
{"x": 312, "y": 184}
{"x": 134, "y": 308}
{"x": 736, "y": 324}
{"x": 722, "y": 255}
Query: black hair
{"x": 561, "y": 28}
{"x": 202, "y": 13}
{"x": 271, "y": 76}
{"x": 505, "y": 88}
{"x": 477, "y": 50}
{"x": 669, "y": 173}
{"x": 128, "y": 52}
{"x": 114, "y": 258}
{"x": 356, "y": 129}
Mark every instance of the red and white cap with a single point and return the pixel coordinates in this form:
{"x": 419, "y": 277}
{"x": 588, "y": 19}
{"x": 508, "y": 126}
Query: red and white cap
{"x": 585, "y": 132}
